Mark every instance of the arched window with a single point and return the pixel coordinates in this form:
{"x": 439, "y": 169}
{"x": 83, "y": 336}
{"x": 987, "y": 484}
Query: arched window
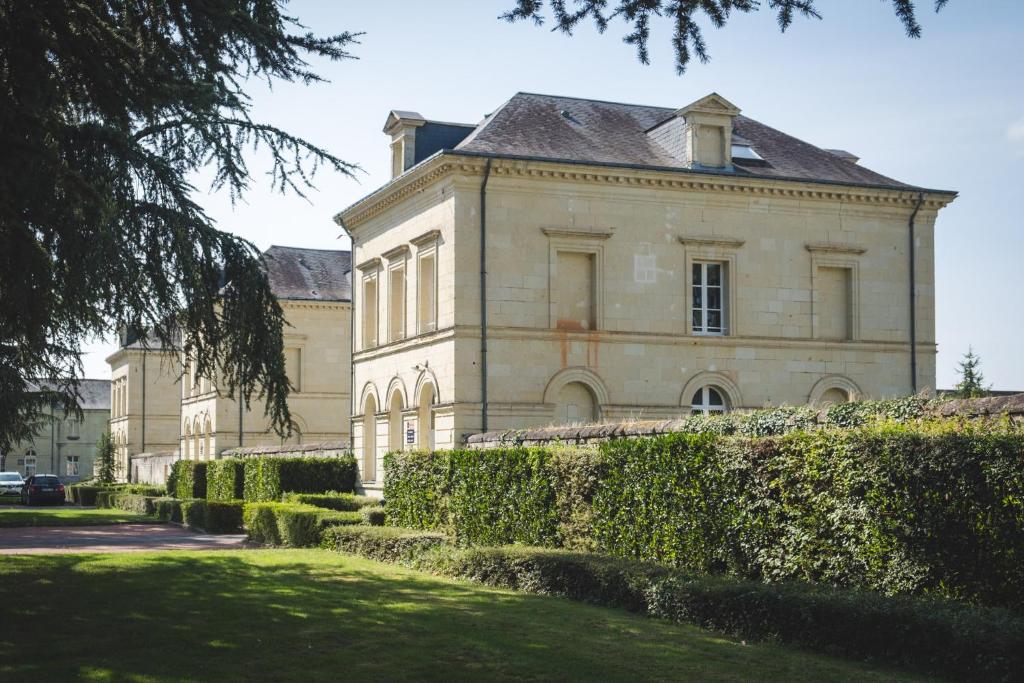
{"x": 370, "y": 440}
{"x": 186, "y": 442}
{"x": 207, "y": 428}
{"x": 709, "y": 400}
{"x": 425, "y": 418}
{"x": 197, "y": 444}
{"x": 575, "y": 404}
{"x": 395, "y": 422}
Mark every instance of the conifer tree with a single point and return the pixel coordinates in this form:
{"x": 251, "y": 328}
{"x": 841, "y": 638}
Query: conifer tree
{"x": 110, "y": 108}
{"x": 685, "y": 16}
{"x": 105, "y": 467}
{"x": 972, "y": 382}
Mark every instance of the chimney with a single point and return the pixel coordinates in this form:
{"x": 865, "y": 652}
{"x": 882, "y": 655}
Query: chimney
{"x": 401, "y": 126}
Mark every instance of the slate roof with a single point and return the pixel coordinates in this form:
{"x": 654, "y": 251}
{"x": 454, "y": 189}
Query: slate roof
{"x": 580, "y": 130}
{"x": 309, "y": 274}
{"x": 93, "y": 394}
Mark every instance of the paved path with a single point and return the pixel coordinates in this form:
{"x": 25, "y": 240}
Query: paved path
{"x": 111, "y": 538}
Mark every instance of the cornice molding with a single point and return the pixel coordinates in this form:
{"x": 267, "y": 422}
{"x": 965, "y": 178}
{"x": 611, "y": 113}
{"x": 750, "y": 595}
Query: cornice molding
{"x": 402, "y": 250}
{"x": 426, "y": 238}
{"x": 444, "y": 164}
{"x": 711, "y": 241}
{"x": 834, "y": 248}
{"x": 584, "y": 233}
{"x": 313, "y": 303}
{"x": 369, "y": 264}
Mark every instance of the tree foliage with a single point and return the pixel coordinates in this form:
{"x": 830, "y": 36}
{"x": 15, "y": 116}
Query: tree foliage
{"x": 686, "y": 17}
{"x": 972, "y": 382}
{"x": 105, "y": 467}
{"x": 110, "y": 108}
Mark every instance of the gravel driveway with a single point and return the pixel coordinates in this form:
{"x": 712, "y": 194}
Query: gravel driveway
{"x": 113, "y": 538}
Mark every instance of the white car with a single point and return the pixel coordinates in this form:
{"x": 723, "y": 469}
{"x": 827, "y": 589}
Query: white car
{"x": 11, "y": 484}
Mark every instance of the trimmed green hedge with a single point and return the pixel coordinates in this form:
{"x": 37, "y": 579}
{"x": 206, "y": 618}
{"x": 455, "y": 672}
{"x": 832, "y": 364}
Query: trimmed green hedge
{"x": 225, "y": 479}
{"x": 373, "y": 515}
{"x": 187, "y": 479}
{"x": 944, "y": 638}
{"x": 167, "y": 509}
{"x": 85, "y": 494}
{"x": 268, "y": 478}
{"x": 292, "y": 524}
{"x": 348, "y": 502}
{"x": 213, "y": 516}
{"x": 383, "y": 543}
{"x": 933, "y": 508}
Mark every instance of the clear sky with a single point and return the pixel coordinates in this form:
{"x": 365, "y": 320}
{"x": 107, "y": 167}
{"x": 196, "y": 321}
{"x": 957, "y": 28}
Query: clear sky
{"x": 945, "y": 111}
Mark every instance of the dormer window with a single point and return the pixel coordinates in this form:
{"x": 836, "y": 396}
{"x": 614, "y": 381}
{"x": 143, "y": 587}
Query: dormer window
{"x": 700, "y": 134}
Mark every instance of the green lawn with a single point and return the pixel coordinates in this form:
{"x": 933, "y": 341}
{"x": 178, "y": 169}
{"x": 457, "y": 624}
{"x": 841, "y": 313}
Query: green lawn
{"x": 305, "y": 615}
{"x": 67, "y": 516}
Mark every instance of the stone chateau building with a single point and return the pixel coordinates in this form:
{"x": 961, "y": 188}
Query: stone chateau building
{"x": 570, "y": 260}
{"x": 161, "y": 409}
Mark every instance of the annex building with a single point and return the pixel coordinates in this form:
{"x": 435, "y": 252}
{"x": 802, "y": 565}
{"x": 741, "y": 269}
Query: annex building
{"x": 569, "y": 260}
{"x": 162, "y": 410}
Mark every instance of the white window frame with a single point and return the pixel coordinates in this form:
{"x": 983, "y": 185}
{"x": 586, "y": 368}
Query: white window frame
{"x": 30, "y": 461}
{"x": 705, "y": 310}
{"x": 705, "y": 406}
{"x": 713, "y": 249}
{"x": 425, "y": 327}
{"x": 72, "y": 465}
{"x": 397, "y": 335}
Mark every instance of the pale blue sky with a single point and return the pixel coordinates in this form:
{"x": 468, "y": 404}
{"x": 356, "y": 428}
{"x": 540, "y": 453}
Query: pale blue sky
{"x": 945, "y": 111}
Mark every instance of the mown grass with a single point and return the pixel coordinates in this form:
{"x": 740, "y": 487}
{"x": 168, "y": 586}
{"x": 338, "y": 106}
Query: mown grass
{"x": 68, "y": 516}
{"x": 310, "y": 615}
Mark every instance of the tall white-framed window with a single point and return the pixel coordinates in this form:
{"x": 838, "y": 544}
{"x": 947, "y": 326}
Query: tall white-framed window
{"x": 396, "y": 302}
{"x": 709, "y": 400}
{"x": 426, "y": 291}
{"x": 708, "y": 307}
{"x": 369, "y": 311}
{"x": 71, "y": 466}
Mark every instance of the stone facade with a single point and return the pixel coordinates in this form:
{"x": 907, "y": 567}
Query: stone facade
{"x": 317, "y": 357}
{"x": 145, "y": 400}
{"x": 65, "y": 446}
{"x": 591, "y": 271}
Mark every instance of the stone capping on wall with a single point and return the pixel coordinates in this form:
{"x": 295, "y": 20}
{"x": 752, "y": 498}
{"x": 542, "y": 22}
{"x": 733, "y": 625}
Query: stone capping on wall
{"x": 319, "y": 448}
{"x": 154, "y": 454}
{"x": 1013, "y": 406}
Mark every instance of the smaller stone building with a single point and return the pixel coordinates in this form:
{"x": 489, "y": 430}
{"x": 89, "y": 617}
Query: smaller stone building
{"x": 65, "y": 446}
{"x": 314, "y": 288}
{"x": 145, "y": 397}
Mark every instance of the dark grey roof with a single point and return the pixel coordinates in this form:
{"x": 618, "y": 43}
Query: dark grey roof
{"x": 133, "y": 339}
{"x": 580, "y": 130}
{"x": 309, "y": 274}
{"x": 93, "y": 394}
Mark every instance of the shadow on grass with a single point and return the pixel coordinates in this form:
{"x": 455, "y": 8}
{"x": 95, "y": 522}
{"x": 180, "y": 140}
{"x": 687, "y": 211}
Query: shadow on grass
{"x": 313, "y": 615}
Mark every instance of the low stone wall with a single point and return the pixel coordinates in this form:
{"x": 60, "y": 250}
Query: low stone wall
{"x": 1012, "y": 406}
{"x": 152, "y": 468}
{"x": 322, "y": 449}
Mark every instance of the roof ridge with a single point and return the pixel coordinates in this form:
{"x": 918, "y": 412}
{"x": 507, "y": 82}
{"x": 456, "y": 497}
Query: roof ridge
{"x": 590, "y": 99}
{"x": 331, "y": 251}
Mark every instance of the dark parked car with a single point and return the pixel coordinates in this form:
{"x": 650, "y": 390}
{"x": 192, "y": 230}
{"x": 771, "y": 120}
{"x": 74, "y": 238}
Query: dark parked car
{"x": 42, "y": 488}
